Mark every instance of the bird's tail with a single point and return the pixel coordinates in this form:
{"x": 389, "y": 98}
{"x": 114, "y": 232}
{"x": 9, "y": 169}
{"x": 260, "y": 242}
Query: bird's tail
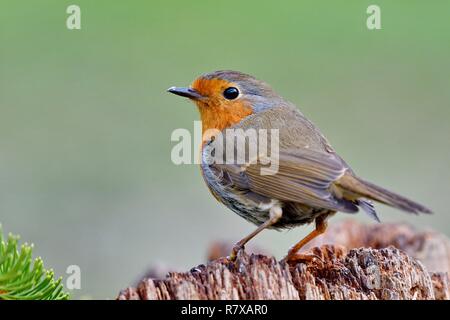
{"x": 356, "y": 186}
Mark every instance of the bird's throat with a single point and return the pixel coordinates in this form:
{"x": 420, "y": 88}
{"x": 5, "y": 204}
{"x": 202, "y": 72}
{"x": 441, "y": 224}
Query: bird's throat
{"x": 221, "y": 117}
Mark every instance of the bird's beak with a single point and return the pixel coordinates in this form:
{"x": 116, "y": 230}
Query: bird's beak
{"x": 185, "y": 92}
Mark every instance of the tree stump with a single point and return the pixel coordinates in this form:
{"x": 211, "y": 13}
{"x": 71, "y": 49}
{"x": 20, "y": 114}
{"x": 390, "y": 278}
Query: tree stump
{"x": 354, "y": 262}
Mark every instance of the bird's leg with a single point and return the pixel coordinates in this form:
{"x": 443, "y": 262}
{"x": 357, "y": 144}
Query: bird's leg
{"x": 321, "y": 226}
{"x": 274, "y": 215}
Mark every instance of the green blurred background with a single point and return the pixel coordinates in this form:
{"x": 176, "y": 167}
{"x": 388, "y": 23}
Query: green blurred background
{"x": 85, "y": 122}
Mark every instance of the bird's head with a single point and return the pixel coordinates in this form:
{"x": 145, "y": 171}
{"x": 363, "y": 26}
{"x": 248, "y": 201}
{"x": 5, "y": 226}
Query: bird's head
{"x": 224, "y": 98}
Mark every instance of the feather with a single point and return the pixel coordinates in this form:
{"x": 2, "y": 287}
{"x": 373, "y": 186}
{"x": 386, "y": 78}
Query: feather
{"x": 368, "y": 208}
{"x": 304, "y": 176}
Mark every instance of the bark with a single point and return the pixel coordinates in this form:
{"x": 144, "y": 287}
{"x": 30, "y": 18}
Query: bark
{"x": 352, "y": 262}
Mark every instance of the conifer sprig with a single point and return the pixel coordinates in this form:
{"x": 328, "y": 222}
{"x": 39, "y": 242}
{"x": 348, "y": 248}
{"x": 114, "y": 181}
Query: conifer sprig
{"x": 21, "y": 278}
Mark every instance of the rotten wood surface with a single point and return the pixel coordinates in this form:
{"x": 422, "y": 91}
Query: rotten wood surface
{"x": 354, "y": 261}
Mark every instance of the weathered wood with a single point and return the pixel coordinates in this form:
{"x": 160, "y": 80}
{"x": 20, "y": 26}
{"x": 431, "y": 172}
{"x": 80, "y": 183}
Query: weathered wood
{"x": 428, "y": 246}
{"x": 361, "y": 264}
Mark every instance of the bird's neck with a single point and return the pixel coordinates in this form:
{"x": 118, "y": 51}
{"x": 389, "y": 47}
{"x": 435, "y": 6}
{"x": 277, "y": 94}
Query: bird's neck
{"x": 219, "y": 118}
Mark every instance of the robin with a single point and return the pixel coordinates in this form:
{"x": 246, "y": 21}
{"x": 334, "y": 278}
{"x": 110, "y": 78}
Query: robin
{"x": 312, "y": 182}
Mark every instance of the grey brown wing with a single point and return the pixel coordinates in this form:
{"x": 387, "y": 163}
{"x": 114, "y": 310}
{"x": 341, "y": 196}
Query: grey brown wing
{"x": 303, "y": 176}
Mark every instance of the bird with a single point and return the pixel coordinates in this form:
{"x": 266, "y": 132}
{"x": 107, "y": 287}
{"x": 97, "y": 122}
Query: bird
{"x": 311, "y": 183}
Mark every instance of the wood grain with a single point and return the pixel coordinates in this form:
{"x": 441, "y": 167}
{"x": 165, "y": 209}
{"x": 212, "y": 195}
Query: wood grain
{"x": 353, "y": 262}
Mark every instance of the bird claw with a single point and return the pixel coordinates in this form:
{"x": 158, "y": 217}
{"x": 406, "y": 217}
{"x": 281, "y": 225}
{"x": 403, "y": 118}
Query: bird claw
{"x": 302, "y": 257}
{"x": 235, "y": 251}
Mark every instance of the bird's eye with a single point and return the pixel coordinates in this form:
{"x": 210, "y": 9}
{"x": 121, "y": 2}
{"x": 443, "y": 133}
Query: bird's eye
{"x": 231, "y": 93}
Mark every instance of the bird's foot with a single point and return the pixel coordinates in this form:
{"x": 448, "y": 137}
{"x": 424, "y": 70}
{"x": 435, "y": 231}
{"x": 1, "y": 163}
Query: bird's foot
{"x": 235, "y": 251}
{"x": 296, "y": 258}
